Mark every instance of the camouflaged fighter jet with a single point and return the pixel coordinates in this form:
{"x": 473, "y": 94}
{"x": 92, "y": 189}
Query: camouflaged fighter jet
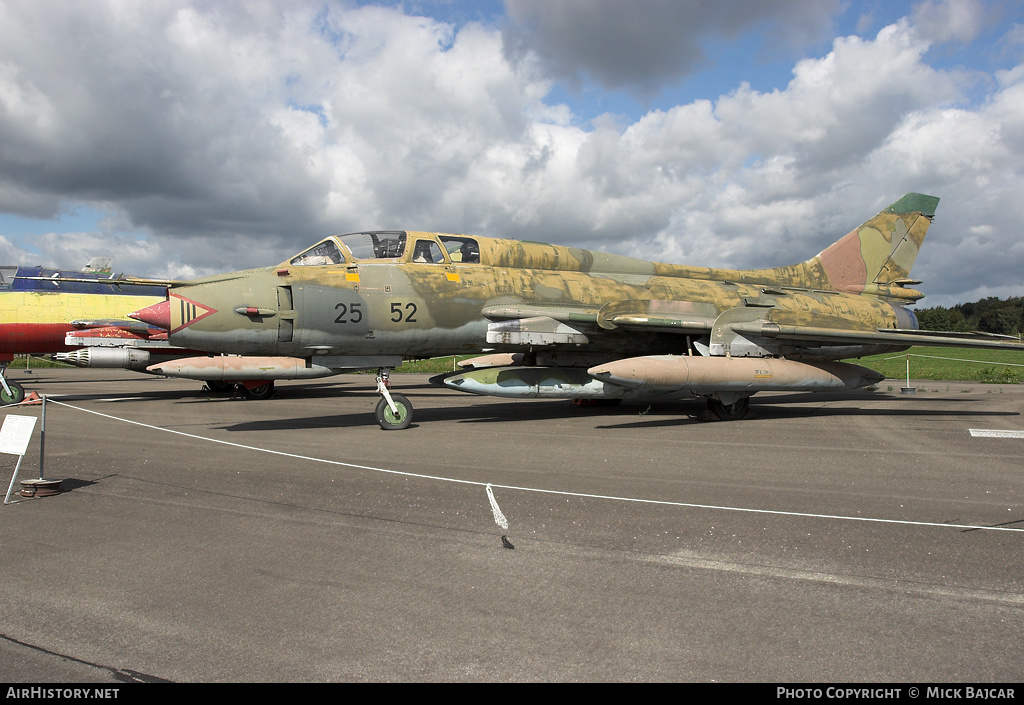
{"x": 571, "y": 323}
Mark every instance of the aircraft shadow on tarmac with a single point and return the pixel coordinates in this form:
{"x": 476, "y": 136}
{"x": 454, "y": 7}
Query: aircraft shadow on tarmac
{"x": 634, "y": 414}
{"x": 506, "y": 412}
{"x": 656, "y": 412}
{"x": 778, "y": 412}
{"x": 792, "y": 406}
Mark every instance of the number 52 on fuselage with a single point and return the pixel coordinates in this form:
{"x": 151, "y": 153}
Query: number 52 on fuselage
{"x": 574, "y": 323}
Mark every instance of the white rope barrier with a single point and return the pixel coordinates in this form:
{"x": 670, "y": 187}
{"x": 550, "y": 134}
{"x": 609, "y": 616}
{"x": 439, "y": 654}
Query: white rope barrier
{"x": 499, "y": 517}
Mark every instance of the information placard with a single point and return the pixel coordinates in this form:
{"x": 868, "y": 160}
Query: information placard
{"x": 16, "y": 433}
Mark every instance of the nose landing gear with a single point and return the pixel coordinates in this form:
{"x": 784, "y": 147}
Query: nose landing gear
{"x": 10, "y": 392}
{"x": 394, "y": 411}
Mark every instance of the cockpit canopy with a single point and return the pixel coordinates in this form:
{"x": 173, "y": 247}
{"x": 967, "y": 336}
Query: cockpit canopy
{"x": 461, "y": 249}
{"x": 323, "y": 252}
{"x": 375, "y": 245}
{"x": 427, "y": 248}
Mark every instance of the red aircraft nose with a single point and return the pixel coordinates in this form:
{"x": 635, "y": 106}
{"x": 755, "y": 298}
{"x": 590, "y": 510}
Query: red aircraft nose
{"x": 158, "y": 315}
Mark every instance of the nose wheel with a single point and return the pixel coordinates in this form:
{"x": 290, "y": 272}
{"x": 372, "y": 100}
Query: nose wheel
{"x": 397, "y": 419}
{"x": 394, "y": 411}
{"x": 10, "y": 392}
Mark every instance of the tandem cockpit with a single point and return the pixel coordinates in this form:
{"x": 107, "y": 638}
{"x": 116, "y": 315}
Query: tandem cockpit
{"x": 391, "y": 246}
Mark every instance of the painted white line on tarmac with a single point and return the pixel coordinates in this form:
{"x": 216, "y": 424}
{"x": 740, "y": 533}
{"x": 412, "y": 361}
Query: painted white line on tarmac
{"x": 986, "y": 433}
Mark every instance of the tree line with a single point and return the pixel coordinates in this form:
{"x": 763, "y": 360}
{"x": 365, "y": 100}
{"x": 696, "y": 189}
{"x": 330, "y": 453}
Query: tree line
{"x": 990, "y": 315}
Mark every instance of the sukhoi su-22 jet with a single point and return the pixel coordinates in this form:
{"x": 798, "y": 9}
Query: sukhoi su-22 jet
{"x": 572, "y": 323}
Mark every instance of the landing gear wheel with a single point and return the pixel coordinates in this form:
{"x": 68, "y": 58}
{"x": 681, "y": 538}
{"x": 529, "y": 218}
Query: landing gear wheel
{"x": 264, "y": 391}
{"x": 729, "y": 412}
{"x": 219, "y": 386}
{"x": 389, "y": 420}
{"x": 596, "y": 402}
{"x": 16, "y": 396}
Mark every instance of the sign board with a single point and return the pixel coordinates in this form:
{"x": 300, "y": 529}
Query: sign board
{"x": 16, "y": 433}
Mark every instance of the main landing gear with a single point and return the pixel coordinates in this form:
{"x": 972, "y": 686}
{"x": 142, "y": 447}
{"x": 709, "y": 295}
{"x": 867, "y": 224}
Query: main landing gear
{"x": 258, "y": 389}
{"x": 394, "y": 411}
{"x": 264, "y": 390}
{"x": 729, "y": 412}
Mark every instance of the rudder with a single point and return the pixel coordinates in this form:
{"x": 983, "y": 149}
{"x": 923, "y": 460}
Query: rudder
{"x": 882, "y": 250}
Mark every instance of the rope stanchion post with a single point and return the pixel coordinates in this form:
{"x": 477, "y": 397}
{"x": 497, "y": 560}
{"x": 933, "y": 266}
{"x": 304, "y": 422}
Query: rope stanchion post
{"x": 908, "y": 389}
{"x": 42, "y": 437}
{"x": 40, "y": 486}
{"x": 953, "y": 359}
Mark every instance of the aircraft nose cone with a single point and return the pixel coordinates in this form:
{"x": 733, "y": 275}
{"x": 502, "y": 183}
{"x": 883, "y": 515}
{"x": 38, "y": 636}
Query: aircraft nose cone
{"x": 158, "y": 315}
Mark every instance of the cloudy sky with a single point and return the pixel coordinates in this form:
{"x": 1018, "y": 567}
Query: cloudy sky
{"x": 187, "y": 138}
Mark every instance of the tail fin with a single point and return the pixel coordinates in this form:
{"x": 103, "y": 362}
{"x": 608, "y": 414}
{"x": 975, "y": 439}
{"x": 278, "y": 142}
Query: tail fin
{"x": 881, "y": 251}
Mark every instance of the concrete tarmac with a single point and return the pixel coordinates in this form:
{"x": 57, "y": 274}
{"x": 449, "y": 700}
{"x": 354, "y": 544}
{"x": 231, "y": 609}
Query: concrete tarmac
{"x": 833, "y": 538}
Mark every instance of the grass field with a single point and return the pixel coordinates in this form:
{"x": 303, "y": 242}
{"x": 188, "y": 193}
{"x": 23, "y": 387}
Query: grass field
{"x": 20, "y": 362}
{"x": 950, "y": 364}
{"x": 435, "y": 365}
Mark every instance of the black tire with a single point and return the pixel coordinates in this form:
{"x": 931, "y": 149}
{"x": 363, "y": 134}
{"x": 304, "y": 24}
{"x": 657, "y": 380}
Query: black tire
{"x": 16, "y": 396}
{"x": 219, "y": 386}
{"x": 596, "y": 402}
{"x": 388, "y": 420}
{"x": 729, "y": 412}
{"x": 264, "y": 391}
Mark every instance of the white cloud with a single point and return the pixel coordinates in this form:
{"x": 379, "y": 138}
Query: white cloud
{"x": 233, "y": 134}
{"x": 10, "y": 254}
{"x": 950, "y": 20}
{"x": 637, "y": 45}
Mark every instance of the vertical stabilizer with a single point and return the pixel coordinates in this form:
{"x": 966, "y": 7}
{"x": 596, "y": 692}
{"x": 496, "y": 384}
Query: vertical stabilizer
{"x": 881, "y": 250}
